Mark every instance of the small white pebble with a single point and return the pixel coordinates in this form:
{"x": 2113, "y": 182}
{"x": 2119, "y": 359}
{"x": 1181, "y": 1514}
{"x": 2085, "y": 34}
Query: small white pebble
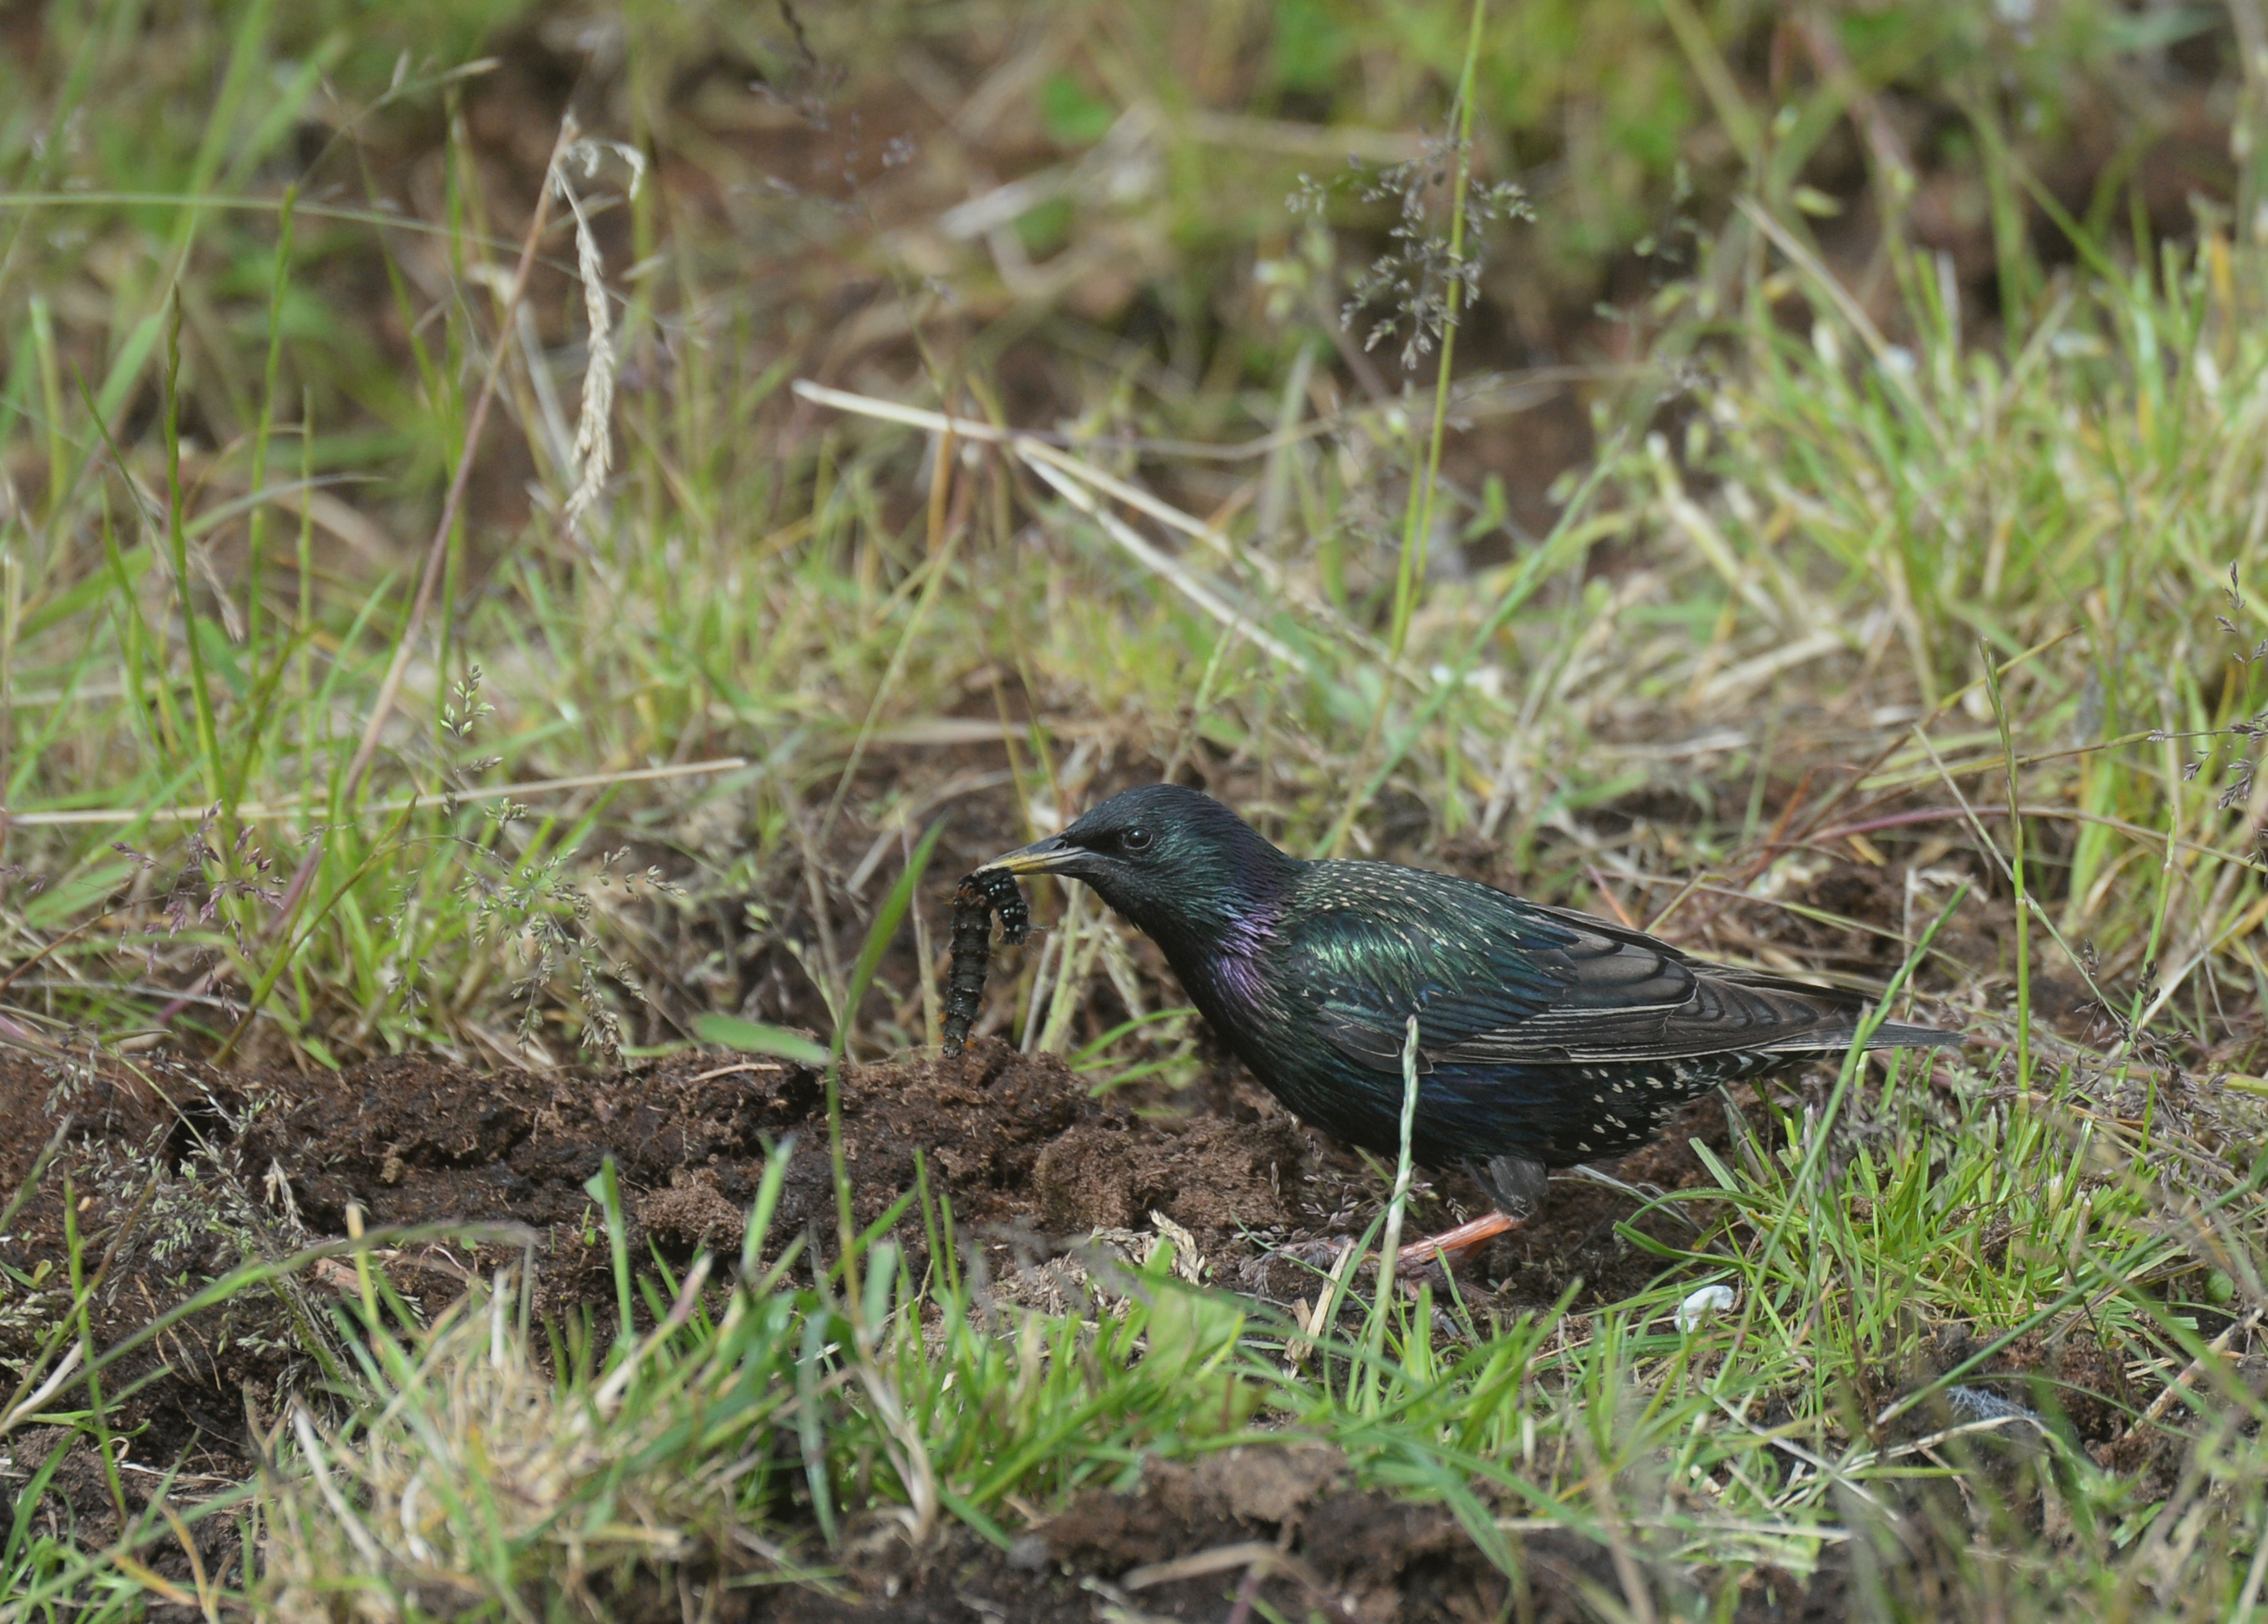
{"x": 1702, "y": 1304}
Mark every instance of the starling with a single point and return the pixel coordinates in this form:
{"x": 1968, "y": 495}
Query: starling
{"x": 1545, "y": 1037}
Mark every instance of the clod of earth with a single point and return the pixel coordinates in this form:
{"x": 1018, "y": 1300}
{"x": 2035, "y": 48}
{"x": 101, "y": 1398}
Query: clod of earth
{"x": 1028, "y": 1159}
{"x": 251, "y": 1161}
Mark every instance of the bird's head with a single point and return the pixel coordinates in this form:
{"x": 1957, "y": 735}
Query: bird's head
{"x": 1182, "y": 867}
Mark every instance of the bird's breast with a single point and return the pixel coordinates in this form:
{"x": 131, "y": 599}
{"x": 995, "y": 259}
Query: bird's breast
{"x": 1230, "y": 987}
{"x": 1239, "y": 985}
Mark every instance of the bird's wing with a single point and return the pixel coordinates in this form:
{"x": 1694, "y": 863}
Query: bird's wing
{"x": 1497, "y": 981}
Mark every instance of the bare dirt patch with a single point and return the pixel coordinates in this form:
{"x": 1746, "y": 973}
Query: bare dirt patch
{"x": 188, "y": 1172}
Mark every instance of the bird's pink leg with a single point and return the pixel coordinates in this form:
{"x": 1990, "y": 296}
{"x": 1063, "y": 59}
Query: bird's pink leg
{"x": 1465, "y": 1238}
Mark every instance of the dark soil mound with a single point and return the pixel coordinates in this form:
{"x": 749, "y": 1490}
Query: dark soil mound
{"x": 174, "y": 1174}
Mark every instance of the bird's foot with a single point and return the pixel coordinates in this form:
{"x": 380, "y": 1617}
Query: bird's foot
{"x": 1453, "y": 1245}
{"x": 1436, "y": 1254}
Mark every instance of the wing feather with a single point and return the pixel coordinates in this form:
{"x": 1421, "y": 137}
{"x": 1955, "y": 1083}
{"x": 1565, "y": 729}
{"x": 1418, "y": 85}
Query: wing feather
{"x": 1496, "y": 981}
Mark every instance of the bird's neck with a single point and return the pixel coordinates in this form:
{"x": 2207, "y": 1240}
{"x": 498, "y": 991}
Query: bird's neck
{"x": 1215, "y": 941}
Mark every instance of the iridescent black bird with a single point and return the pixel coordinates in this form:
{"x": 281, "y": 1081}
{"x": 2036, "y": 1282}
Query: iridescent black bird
{"x": 1546, "y": 1037}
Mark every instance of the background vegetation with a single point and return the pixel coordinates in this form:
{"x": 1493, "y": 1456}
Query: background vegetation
{"x": 459, "y": 591}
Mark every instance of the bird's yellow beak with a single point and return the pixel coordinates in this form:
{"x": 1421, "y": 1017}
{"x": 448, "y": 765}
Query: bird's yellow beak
{"x": 1041, "y": 857}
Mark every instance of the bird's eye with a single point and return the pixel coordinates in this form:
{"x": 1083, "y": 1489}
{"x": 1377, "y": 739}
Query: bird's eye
{"x": 1134, "y": 840}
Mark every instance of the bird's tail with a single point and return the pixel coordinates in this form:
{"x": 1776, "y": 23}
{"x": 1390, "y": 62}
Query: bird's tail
{"x": 1826, "y": 1038}
{"x": 1896, "y": 1035}
{"x": 1824, "y": 1020}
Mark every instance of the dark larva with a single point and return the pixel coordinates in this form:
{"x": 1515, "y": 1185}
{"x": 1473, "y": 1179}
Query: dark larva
{"x": 1007, "y": 898}
{"x": 972, "y": 948}
{"x": 973, "y": 902}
